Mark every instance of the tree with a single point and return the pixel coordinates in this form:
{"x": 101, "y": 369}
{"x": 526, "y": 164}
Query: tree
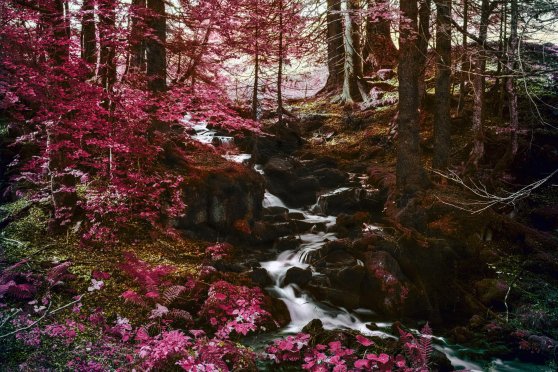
{"x": 335, "y": 48}
{"x": 423, "y": 39}
{"x": 137, "y": 41}
{"x": 107, "y": 36}
{"x": 88, "y": 35}
{"x": 155, "y": 46}
{"x": 409, "y": 171}
{"x": 352, "y": 72}
{"x": 443, "y": 83}
{"x": 477, "y": 152}
{"x": 379, "y": 51}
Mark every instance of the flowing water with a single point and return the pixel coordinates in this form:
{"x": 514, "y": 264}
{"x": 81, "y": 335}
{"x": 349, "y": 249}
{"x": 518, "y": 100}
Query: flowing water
{"x": 302, "y": 307}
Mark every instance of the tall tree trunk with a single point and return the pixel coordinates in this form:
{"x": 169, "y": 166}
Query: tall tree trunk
{"x": 137, "y": 40}
{"x": 155, "y": 46}
{"x": 54, "y": 18}
{"x": 379, "y": 50}
{"x": 280, "y": 67}
{"x": 409, "y": 171}
{"x": 500, "y": 85}
{"x": 255, "y": 102}
{"x": 510, "y": 84}
{"x": 442, "y": 117}
{"x": 423, "y": 39}
{"x": 477, "y": 152}
{"x": 335, "y": 48}
{"x": 464, "y": 62}
{"x": 353, "y": 63}
{"x": 88, "y": 35}
{"x": 107, "y": 61}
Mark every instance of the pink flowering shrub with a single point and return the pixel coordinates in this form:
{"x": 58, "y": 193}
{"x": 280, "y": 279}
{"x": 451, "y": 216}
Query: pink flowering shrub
{"x": 219, "y": 251}
{"x": 299, "y": 349}
{"x": 230, "y": 308}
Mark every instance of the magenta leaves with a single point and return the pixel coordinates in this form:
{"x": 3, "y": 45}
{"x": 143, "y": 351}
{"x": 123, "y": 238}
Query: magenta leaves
{"x": 301, "y": 349}
{"x": 234, "y": 309}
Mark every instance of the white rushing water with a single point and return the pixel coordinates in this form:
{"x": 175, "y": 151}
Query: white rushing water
{"x": 209, "y": 137}
{"x": 302, "y": 307}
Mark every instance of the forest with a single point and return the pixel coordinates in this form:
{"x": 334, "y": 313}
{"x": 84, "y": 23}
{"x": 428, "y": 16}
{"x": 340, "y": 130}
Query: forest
{"x": 279, "y": 185}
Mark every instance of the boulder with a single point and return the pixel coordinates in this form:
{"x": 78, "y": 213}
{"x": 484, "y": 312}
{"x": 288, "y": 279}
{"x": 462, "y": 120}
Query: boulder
{"x": 281, "y": 141}
{"x": 278, "y": 167}
{"x": 226, "y": 200}
{"x": 286, "y": 243}
{"x": 387, "y": 287}
{"x": 298, "y": 276}
{"x": 350, "y": 199}
{"x": 491, "y": 292}
{"x": 330, "y": 177}
{"x": 269, "y": 231}
{"x": 261, "y": 277}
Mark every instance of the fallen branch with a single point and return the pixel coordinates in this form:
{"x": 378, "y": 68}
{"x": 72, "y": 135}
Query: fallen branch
{"x": 487, "y": 199}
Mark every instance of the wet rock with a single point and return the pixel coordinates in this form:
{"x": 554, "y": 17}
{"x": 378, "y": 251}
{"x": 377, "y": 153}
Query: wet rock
{"x": 268, "y": 231}
{"x": 387, "y": 286}
{"x": 330, "y": 177}
{"x": 491, "y": 292}
{"x": 304, "y": 226}
{"x": 282, "y": 141}
{"x": 222, "y": 200}
{"x": 278, "y": 167}
{"x": 440, "y": 362}
{"x": 287, "y": 243}
{"x": 261, "y": 277}
{"x": 274, "y": 210}
{"x": 279, "y": 311}
{"x": 298, "y": 276}
{"x": 351, "y": 277}
{"x": 296, "y": 215}
{"x": 313, "y": 327}
{"x": 348, "y": 199}
{"x": 304, "y": 189}
{"x": 338, "y": 297}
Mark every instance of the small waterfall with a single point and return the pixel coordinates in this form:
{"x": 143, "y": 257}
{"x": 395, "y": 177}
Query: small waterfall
{"x": 302, "y": 307}
{"x": 209, "y": 137}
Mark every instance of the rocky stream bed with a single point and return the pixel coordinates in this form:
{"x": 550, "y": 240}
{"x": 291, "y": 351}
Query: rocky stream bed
{"x": 320, "y": 243}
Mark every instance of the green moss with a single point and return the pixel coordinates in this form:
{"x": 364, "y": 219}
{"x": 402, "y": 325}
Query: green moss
{"x": 11, "y": 209}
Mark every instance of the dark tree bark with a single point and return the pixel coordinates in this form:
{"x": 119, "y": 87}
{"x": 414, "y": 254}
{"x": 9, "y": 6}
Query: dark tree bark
{"x": 464, "y": 63}
{"x": 155, "y": 46}
{"x": 477, "y": 152}
{"x": 137, "y": 41}
{"x": 107, "y": 60}
{"x": 513, "y": 44}
{"x": 53, "y": 17}
{"x": 255, "y": 102}
{"x": 423, "y": 39}
{"x": 409, "y": 170}
{"x": 442, "y": 129}
{"x": 88, "y": 35}
{"x": 280, "y": 66}
{"x": 379, "y": 50}
{"x": 353, "y": 63}
{"x": 335, "y": 48}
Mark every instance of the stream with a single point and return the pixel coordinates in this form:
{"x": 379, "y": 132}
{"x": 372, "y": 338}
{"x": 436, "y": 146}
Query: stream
{"x": 303, "y": 308}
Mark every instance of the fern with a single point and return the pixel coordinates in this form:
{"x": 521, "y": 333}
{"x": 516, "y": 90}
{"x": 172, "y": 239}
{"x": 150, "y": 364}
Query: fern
{"x": 425, "y": 344}
{"x": 59, "y": 272}
{"x": 172, "y": 293}
{"x": 179, "y": 314}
